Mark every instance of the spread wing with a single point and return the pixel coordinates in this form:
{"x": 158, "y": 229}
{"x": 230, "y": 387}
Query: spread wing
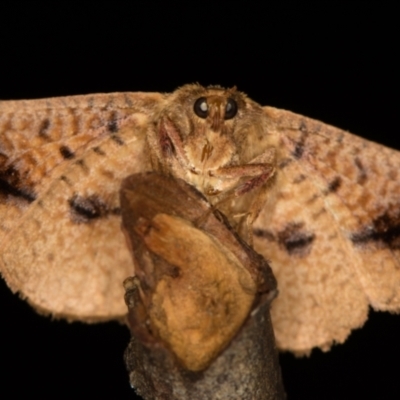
{"x": 333, "y": 234}
{"x": 61, "y": 164}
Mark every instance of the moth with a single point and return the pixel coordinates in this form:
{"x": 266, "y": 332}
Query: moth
{"x": 320, "y": 204}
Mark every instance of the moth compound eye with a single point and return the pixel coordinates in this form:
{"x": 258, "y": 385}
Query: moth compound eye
{"x": 230, "y": 109}
{"x": 201, "y": 107}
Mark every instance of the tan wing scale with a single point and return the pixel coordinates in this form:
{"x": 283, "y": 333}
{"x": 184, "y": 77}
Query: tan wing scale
{"x": 333, "y": 235}
{"x": 61, "y": 164}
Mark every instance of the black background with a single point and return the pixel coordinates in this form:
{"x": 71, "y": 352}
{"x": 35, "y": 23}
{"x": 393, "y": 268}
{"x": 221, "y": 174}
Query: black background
{"x": 337, "y": 64}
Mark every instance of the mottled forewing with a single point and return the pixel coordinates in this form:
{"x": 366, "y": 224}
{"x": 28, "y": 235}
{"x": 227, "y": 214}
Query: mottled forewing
{"x": 61, "y": 164}
{"x": 333, "y": 233}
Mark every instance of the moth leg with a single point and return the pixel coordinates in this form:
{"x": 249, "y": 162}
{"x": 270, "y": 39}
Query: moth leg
{"x": 244, "y": 202}
{"x": 255, "y": 177}
{"x": 137, "y": 317}
{"x": 252, "y": 175}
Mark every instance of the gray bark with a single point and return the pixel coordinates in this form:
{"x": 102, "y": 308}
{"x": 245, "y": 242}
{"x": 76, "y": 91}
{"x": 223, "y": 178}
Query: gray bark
{"x": 247, "y": 369}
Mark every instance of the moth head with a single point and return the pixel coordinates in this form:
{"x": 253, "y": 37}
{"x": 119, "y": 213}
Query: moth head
{"x": 202, "y": 129}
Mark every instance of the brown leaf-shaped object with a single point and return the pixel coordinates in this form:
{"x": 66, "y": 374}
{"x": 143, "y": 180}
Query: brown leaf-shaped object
{"x": 198, "y": 279}
{"x": 321, "y": 204}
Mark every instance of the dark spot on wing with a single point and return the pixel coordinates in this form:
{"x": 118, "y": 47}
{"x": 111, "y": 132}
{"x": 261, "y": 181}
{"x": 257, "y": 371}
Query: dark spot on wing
{"x": 295, "y": 239}
{"x": 99, "y": 151}
{"x": 284, "y": 163}
{"x": 362, "y": 173}
{"x": 264, "y": 234}
{"x": 112, "y": 124}
{"x": 300, "y": 178}
{"x": 44, "y": 129}
{"x": 82, "y": 164}
{"x": 11, "y": 184}
{"x": 299, "y": 148}
{"x": 66, "y": 152}
{"x": 384, "y": 231}
{"x": 117, "y": 140}
{"x": 66, "y": 180}
{"x": 334, "y": 185}
{"x": 86, "y": 209}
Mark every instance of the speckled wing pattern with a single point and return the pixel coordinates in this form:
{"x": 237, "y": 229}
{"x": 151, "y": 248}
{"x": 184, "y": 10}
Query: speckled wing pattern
{"x": 330, "y": 226}
{"x": 61, "y": 164}
{"x": 333, "y": 232}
